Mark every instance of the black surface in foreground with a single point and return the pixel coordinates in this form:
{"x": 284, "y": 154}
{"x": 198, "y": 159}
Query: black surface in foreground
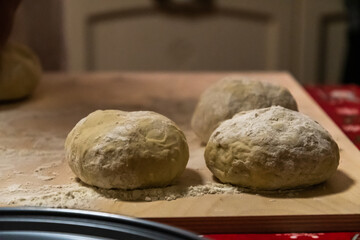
{"x": 47, "y": 223}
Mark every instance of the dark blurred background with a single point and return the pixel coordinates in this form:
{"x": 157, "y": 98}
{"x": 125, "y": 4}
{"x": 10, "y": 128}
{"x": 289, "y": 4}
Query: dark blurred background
{"x": 309, "y": 38}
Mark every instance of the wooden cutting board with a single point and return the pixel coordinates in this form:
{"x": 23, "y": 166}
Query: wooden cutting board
{"x": 32, "y": 134}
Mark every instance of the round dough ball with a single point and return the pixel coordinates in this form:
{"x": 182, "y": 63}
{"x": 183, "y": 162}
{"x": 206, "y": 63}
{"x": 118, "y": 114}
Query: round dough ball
{"x": 232, "y": 95}
{"x": 20, "y": 72}
{"x": 127, "y": 150}
{"x": 271, "y": 148}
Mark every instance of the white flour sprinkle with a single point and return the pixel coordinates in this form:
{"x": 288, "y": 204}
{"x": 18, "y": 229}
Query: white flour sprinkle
{"x": 77, "y": 195}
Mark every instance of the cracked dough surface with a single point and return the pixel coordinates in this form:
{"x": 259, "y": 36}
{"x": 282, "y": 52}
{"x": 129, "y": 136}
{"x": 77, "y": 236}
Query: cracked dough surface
{"x": 234, "y": 94}
{"x": 127, "y": 150}
{"x": 271, "y": 148}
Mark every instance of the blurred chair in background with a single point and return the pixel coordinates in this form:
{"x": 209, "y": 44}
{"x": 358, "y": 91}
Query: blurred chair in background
{"x": 304, "y": 37}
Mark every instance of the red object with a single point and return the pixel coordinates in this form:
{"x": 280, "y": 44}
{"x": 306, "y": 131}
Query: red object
{"x": 342, "y": 104}
{"x": 287, "y": 236}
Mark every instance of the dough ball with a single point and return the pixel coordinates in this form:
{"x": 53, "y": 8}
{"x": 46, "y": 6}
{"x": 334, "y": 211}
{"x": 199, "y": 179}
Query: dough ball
{"x": 127, "y": 150}
{"x": 271, "y": 148}
{"x": 20, "y": 72}
{"x": 232, "y": 95}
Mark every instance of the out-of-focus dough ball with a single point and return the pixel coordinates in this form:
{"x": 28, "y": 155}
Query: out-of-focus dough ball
{"x": 271, "y": 148}
{"x": 127, "y": 150}
{"x": 20, "y": 72}
{"x": 232, "y": 95}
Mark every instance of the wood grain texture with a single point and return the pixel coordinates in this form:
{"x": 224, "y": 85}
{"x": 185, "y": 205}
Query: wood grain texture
{"x": 32, "y": 134}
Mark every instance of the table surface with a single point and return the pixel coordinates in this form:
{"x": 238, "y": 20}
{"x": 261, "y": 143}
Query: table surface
{"x": 32, "y": 134}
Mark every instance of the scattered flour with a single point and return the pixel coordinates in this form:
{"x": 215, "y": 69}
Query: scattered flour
{"x": 14, "y": 187}
{"x": 78, "y": 195}
{"x": 38, "y": 172}
{"x": 45, "y": 178}
{"x": 58, "y": 196}
{"x": 47, "y": 166}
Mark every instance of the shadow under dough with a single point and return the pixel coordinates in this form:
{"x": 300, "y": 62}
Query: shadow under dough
{"x": 190, "y": 177}
{"x": 176, "y": 190}
{"x": 339, "y": 182}
{"x": 14, "y": 103}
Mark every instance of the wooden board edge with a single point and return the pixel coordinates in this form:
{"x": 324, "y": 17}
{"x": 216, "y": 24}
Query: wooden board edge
{"x": 265, "y": 224}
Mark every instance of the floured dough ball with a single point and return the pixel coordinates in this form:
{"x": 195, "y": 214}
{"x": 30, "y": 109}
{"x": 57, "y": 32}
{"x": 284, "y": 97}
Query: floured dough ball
{"x": 232, "y": 95}
{"x": 20, "y": 72}
{"x": 271, "y": 148}
{"x": 127, "y": 150}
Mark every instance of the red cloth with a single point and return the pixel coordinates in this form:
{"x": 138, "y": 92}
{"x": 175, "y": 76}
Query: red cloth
{"x": 287, "y": 236}
{"x": 342, "y": 104}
